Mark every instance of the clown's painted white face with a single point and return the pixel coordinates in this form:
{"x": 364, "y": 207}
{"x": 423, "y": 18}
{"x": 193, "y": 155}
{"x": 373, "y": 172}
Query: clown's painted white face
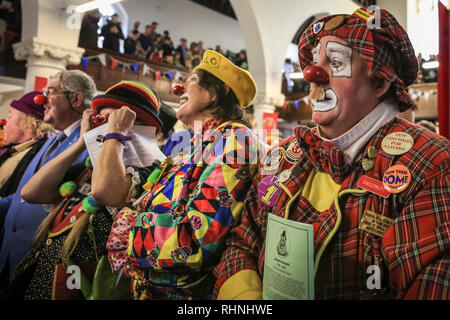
{"x": 350, "y": 93}
{"x": 193, "y": 101}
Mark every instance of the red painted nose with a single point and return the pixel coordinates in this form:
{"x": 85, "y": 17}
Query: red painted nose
{"x": 315, "y": 74}
{"x": 178, "y": 90}
{"x": 39, "y": 99}
{"x": 2, "y": 122}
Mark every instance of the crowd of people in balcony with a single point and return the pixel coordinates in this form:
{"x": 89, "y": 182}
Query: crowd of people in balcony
{"x": 149, "y": 44}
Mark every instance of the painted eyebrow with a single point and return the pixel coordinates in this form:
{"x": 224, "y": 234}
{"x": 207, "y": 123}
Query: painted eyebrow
{"x": 338, "y": 50}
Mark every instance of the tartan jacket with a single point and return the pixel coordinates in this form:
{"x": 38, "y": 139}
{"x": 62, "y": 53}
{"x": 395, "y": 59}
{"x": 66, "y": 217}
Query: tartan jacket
{"x": 176, "y": 235}
{"x": 413, "y": 255}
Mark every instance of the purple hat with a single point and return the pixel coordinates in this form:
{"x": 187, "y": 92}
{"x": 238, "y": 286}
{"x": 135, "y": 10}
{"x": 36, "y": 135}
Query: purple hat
{"x": 27, "y": 105}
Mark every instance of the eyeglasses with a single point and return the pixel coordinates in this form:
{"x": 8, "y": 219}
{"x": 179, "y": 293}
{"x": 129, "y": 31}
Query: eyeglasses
{"x": 52, "y": 92}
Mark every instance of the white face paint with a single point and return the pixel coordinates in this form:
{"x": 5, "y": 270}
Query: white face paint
{"x": 316, "y": 53}
{"x": 193, "y": 79}
{"x": 329, "y": 102}
{"x": 340, "y": 57}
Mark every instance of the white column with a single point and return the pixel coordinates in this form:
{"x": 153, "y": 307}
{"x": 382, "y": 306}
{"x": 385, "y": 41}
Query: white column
{"x": 45, "y": 59}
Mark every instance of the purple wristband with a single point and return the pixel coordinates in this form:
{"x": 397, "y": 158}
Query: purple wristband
{"x": 120, "y": 137}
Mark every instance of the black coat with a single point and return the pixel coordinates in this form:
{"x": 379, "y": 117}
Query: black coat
{"x": 111, "y": 40}
{"x": 88, "y": 32}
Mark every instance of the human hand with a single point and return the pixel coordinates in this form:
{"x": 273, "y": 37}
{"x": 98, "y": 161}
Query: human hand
{"x": 85, "y": 123}
{"x": 113, "y": 29}
{"x": 121, "y": 120}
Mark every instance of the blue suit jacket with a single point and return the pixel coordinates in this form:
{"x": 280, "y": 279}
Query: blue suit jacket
{"x": 22, "y": 218}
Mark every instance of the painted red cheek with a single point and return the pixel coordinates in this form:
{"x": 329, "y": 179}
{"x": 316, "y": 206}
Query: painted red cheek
{"x": 178, "y": 90}
{"x": 39, "y": 99}
{"x": 315, "y": 74}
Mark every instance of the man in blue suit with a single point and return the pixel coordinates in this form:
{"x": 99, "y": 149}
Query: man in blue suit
{"x": 68, "y": 93}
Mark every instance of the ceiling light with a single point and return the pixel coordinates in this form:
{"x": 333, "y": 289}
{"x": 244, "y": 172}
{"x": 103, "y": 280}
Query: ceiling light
{"x": 94, "y": 5}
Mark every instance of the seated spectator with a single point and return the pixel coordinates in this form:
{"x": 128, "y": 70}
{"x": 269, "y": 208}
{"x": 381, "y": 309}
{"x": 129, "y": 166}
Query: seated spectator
{"x": 219, "y": 49}
{"x": 157, "y": 44}
{"x": 177, "y": 59}
{"x": 157, "y": 56}
{"x": 130, "y": 45}
{"x": 168, "y": 59}
{"x": 25, "y": 133}
{"x": 112, "y": 33}
{"x": 89, "y": 28}
{"x": 63, "y": 238}
{"x": 241, "y": 60}
{"x": 168, "y": 46}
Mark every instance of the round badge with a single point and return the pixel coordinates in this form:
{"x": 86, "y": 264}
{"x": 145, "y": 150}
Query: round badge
{"x": 273, "y": 159}
{"x": 73, "y": 219}
{"x": 268, "y": 190}
{"x": 397, "y": 143}
{"x": 317, "y": 27}
{"x": 293, "y": 152}
{"x": 284, "y": 175}
{"x": 396, "y": 179}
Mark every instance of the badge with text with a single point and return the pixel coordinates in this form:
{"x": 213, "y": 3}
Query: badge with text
{"x": 375, "y": 223}
{"x": 293, "y": 152}
{"x": 397, "y": 178}
{"x": 268, "y": 190}
{"x": 397, "y": 143}
{"x": 372, "y": 185}
{"x": 289, "y": 260}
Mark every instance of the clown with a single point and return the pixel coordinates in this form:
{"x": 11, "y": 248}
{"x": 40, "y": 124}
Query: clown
{"x": 76, "y": 230}
{"x": 197, "y": 197}
{"x": 340, "y": 180}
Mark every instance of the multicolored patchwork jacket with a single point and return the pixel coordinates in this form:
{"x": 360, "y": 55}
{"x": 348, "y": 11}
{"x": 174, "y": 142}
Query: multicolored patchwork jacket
{"x": 174, "y": 239}
{"x": 322, "y": 189}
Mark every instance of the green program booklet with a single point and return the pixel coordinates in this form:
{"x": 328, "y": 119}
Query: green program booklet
{"x": 289, "y": 260}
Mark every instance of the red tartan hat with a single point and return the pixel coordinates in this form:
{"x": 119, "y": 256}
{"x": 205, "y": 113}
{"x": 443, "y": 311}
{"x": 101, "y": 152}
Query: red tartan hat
{"x": 387, "y": 50}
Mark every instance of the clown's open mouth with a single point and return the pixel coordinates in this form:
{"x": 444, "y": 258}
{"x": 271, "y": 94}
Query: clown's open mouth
{"x": 329, "y": 102}
{"x": 183, "y": 100}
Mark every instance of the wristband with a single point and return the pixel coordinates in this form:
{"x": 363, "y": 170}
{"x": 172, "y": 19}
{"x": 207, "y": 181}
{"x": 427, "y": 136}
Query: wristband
{"x": 120, "y": 137}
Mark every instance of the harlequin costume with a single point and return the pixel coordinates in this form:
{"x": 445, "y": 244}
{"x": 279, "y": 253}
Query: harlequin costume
{"x": 324, "y": 189}
{"x": 45, "y": 272}
{"x": 171, "y": 240}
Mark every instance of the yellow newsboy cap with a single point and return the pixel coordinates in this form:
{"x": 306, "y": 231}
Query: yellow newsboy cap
{"x": 239, "y": 80}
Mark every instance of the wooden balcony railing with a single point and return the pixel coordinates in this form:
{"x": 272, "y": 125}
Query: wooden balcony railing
{"x": 105, "y": 77}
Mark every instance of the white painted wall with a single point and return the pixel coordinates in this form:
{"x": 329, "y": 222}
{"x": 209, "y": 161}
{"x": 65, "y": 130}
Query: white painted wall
{"x": 186, "y": 19}
{"x": 269, "y": 26}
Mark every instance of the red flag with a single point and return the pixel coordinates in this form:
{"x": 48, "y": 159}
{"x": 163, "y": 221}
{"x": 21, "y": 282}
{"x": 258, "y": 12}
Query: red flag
{"x": 39, "y": 83}
{"x": 443, "y": 72}
{"x": 157, "y": 74}
{"x": 114, "y": 63}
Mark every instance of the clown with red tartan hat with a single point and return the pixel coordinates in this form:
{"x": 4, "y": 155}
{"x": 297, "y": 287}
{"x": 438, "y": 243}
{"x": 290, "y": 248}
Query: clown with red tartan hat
{"x": 373, "y": 187}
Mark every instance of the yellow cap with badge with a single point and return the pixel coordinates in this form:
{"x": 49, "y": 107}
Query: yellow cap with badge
{"x": 239, "y": 80}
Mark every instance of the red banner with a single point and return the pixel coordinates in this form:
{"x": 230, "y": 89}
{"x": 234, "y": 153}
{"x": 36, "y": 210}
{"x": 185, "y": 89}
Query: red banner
{"x": 114, "y": 63}
{"x": 40, "y": 83}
